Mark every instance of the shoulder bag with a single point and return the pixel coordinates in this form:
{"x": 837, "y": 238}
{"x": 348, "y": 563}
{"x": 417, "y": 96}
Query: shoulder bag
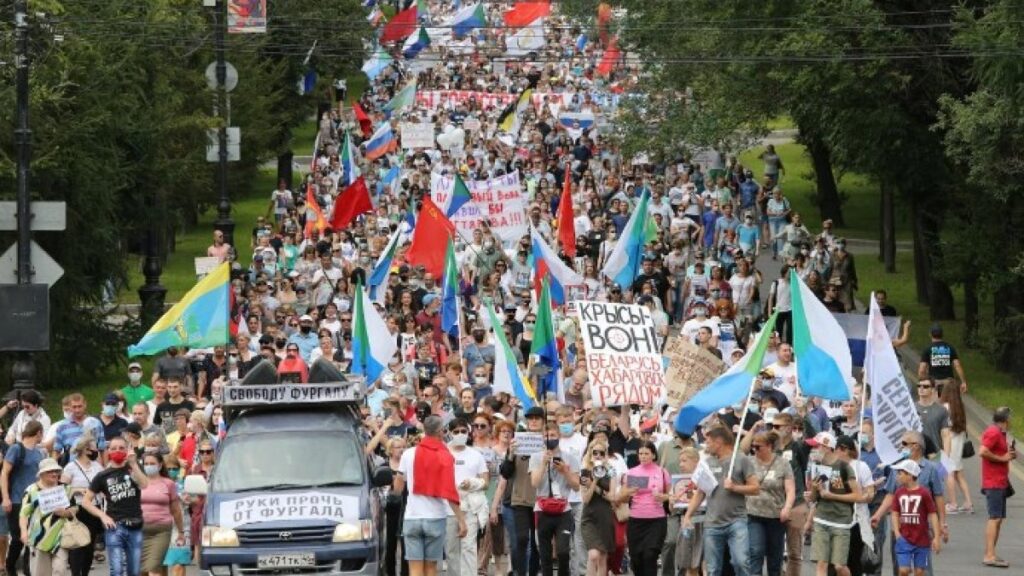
{"x": 549, "y": 505}
{"x": 74, "y": 535}
{"x": 968, "y": 450}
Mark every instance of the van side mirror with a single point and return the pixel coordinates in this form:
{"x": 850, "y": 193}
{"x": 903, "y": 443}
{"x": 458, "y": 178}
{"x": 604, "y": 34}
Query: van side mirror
{"x": 382, "y": 477}
{"x": 196, "y": 485}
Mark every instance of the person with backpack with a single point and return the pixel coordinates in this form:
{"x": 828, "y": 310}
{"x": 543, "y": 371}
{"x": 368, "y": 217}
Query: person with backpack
{"x": 21, "y": 462}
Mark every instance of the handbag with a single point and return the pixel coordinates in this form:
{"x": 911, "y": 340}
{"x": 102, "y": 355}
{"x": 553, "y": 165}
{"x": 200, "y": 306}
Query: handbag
{"x": 870, "y": 561}
{"x": 968, "y": 451}
{"x": 551, "y": 506}
{"x": 74, "y": 535}
{"x": 178, "y": 556}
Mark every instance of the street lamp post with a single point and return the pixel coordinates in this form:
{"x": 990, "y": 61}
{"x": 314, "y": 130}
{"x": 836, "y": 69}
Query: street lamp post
{"x": 224, "y": 223}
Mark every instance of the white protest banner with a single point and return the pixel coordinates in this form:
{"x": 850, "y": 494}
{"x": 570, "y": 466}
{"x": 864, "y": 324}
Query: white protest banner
{"x": 51, "y": 499}
{"x": 471, "y": 124}
{"x": 292, "y": 506}
{"x": 206, "y": 264}
{"x": 892, "y": 407}
{"x": 690, "y": 369}
{"x": 290, "y": 393}
{"x": 417, "y": 135}
{"x": 498, "y": 200}
{"x": 624, "y": 361}
{"x": 528, "y": 443}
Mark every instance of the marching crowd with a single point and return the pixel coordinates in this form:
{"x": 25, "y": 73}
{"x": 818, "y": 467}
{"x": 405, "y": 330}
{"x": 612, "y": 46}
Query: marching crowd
{"x": 566, "y": 484}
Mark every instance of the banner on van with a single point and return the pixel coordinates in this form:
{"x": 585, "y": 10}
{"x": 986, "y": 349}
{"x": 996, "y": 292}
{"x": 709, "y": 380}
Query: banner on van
{"x": 277, "y": 394}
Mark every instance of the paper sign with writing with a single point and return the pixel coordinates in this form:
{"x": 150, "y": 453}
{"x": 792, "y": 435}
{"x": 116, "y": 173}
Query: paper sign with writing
{"x": 417, "y": 135}
{"x": 52, "y": 499}
{"x": 529, "y": 443}
{"x": 289, "y": 506}
{"x": 690, "y": 369}
{"x": 624, "y": 360}
{"x": 500, "y": 201}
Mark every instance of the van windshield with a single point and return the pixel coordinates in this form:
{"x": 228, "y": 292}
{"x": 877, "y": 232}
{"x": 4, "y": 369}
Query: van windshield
{"x": 288, "y": 460}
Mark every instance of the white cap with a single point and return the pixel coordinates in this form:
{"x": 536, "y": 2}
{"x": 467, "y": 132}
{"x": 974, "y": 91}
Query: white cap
{"x": 826, "y": 439}
{"x": 908, "y": 466}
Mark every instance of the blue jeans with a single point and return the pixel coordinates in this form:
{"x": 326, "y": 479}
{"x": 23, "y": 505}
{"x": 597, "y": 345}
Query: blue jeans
{"x": 124, "y": 550}
{"x": 767, "y": 541}
{"x": 734, "y": 536}
{"x": 775, "y": 226}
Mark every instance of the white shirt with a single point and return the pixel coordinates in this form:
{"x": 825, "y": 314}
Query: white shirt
{"x": 785, "y": 379}
{"x": 575, "y": 445}
{"x": 23, "y": 418}
{"x": 419, "y": 506}
{"x": 693, "y": 325}
{"x": 469, "y": 464}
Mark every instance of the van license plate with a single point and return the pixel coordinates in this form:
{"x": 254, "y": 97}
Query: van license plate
{"x": 286, "y": 561}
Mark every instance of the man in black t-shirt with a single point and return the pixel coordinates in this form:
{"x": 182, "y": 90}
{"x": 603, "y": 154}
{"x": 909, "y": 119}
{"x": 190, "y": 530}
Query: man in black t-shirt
{"x": 939, "y": 361}
{"x": 121, "y": 485}
{"x": 175, "y": 401}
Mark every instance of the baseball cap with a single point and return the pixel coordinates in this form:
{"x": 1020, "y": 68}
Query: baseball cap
{"x": 535, "y": 412}
{"x": 846, "y": 442}
{"x": 826, "y": 439}
{"x": 305, "y": 318}
{"x": 428, "y": 299}
{"x": 908, "y": 466}
{"x": 111, "y": 399}
{"x": 135, "y": 366}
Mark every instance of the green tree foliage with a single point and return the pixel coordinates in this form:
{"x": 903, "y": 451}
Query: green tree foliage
{"x": 119, "y": 113}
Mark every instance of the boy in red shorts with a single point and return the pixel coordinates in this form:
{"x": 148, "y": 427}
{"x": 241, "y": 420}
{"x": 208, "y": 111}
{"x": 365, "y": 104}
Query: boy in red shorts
{"x": 914, "y": 510}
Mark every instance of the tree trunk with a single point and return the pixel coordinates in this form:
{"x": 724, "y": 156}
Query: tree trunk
{"x": 887, "y": 240}
{"x": 971, "y": 310}
{"x": 921, "y": 267}
{"x": 883, "y": 188}
{"x": 940, "y": 297}
{"x": 829, "y": 203}
{"x": 1009, "y": 355}
{"x": 284, "y": 170}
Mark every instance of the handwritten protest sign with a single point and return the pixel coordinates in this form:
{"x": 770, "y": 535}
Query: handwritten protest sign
{"x": 528, "y": 443}
{"x": 690, "y": 370}
{"x": 289, "y": 506}
{"x": 499, "y": 201}
{"x": 52, "y": 499}
{"x": 417, "y": 135}
{"x": 623, "y": 357}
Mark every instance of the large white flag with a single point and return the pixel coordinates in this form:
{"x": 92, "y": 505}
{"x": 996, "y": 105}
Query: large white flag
{"x": 892, "y": 407}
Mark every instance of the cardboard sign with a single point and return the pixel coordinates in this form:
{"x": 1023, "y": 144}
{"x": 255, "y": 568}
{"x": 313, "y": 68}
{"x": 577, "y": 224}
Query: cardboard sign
{"x": 690, "y": 369}
{"x": 206, "y": 264}
{"x": 498, "y": 200}
{"x": 529, "y": 443}
{"x": 624, "y": 360}
{"x": 53, "y": 499}
{"x": 292, "y": 506}
{"x": 417, "y": 135}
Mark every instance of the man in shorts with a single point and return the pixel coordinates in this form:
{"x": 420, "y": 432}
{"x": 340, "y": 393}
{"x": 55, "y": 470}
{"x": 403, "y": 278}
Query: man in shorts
{"x": 913, "y": 513}
{"x": 429, "y": 470}
{"x": 996, "y": 455}
{"x": 834, "y": 487}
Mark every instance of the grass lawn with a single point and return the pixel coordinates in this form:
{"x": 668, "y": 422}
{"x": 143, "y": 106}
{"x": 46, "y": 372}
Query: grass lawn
{"x": 860, "y": 208}
{"x": 987, "y": 385}
{"x": 781, "y": 123}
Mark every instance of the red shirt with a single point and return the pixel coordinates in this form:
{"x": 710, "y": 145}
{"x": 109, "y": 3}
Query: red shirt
{"x": 995, "y": 474}
{"x": 914, "y": 505}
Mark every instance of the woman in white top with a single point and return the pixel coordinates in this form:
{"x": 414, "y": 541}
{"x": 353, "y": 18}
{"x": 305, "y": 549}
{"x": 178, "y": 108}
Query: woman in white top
{"x": 78, "y": 473}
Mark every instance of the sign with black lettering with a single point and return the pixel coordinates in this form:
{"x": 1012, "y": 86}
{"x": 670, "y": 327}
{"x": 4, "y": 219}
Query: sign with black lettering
{"x": 690, "y": 370}
{"x": 623, "y": 356}
{"x": 249, "y": 395}
{"x": 273, "y": 507}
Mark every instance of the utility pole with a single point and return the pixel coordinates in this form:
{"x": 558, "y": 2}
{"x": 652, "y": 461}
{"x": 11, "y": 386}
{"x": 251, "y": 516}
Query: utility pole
{"x": 224, "y": 223}
{"x": 23, "y": 372}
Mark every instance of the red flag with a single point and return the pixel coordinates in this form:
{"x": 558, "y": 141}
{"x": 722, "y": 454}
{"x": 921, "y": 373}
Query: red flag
{"x": 365, "y": 124}
{"x": 526, "y": 13}
{"x": 428, "y": 247}
{"x": 566, "y": 219}
{"x": 610, "y": 58}
{"x": 355, "y": 200}
{"x": 400, "y": 27}
{"x": 317, "y": 221}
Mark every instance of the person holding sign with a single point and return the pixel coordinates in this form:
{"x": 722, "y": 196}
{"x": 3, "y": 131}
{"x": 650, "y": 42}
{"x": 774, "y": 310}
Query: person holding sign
{"x": 45, "y": 508}
{"x": 647, "y": 488}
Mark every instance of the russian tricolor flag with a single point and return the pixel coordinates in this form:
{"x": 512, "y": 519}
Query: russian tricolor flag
{"x": 547, "y": 264}
{"x": 382, "y": 142}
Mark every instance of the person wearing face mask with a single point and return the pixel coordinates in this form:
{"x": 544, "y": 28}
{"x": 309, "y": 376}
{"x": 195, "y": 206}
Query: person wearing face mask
{"x": 305, "y": 339}
{"x": 78, "y": 474}
{"x": 113, "y": 424}
{"x": 554, "y": 474}
{"x": 487, "y": 258}
{"x": 572, "y": 442}
{"x": 471, "y": 478}
{"x": 136, "y": 391}
{"x": 121, "y": 485}
{"x": 161, "y": 512}
{"x": 31, "y": 410}
{"x": 478, "y": 353}
{"x": 834, "y": 489}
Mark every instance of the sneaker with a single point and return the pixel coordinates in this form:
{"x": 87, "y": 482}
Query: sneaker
{"x": 952, "y": 509}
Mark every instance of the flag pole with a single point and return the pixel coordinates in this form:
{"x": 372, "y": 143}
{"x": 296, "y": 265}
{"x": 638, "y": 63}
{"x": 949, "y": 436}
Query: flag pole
{"x": 739, "y": 433}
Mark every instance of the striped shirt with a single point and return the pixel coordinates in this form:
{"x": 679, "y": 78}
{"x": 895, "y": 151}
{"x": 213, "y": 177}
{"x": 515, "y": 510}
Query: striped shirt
{"x": 69, "y": 431}
{"x": 43, "y": 529}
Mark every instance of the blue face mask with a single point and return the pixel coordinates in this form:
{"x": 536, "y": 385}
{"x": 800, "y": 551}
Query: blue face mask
{"x": 904, "y": 454}
{"x": 109, "y": 410}
{"x": 173, "y": 473}
{"x": 565, "y": 429}
{"x": 753, "y": 408}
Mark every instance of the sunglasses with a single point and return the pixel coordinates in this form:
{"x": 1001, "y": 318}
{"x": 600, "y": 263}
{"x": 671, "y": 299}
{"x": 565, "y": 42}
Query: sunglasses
{"x": 778, "y": 426}
{"x": 924, "y": 386}
{"x": 460, "y": 431}
{"x": 206, "y": 451}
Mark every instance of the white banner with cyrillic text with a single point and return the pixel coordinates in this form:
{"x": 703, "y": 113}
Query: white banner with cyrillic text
{"x": 624, "y": 361}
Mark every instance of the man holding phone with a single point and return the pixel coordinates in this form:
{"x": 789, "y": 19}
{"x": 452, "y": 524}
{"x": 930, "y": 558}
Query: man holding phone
{"x": 835, "y": 489}
{"x": 554, "y": 474}
{"x": 996, "y": 452}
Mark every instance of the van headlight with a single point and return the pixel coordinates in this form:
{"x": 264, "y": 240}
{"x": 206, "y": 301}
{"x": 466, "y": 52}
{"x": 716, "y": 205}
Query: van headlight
{"x": 217, "y": 537}
{"x": 353, "y": 531}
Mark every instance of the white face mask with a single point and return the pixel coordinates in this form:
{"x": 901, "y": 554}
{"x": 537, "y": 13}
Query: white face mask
{"x": 459, "y": 440}
{"x": 135, "y": 377}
